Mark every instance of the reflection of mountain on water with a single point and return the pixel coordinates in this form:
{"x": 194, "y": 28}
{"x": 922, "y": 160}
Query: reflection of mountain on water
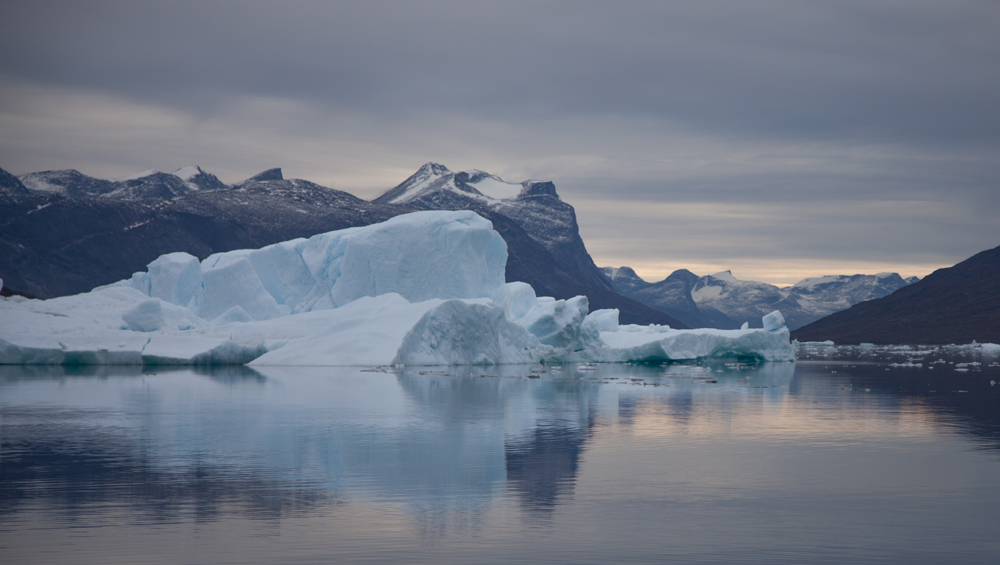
{"x": 545, "y": 423}
{"x": 954, "y": 384}
{"x": 542, "y": 469}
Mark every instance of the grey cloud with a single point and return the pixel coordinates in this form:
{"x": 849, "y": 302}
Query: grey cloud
{"x": 920, "y": 71}
{"x": 827, "y": 112}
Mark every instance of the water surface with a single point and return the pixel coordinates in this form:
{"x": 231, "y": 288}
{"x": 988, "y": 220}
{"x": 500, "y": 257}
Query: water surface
{"x": 879, "y": 455}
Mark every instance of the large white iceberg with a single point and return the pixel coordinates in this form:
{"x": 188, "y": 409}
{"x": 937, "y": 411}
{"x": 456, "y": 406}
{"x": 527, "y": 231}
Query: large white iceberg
{"x": 420, "y": 289}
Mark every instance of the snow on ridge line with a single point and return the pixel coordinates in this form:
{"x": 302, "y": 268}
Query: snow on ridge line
{"x": 425, "y": 288}
{"x": 143, "y": 174}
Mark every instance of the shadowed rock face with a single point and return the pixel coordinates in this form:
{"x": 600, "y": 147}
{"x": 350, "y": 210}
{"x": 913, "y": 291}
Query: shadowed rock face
{"x": 72, "y": 232}
{"x": 953, "y": 305}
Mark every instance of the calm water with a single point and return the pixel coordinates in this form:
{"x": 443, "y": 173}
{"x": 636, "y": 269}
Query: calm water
{"x": 849, "y": 455}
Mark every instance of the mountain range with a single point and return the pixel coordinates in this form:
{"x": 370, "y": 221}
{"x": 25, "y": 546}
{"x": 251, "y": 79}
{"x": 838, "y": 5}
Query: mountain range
{"x": 957, "y": 304}
{"x": 722, "y": 301}
{"x": 63, "y": 232}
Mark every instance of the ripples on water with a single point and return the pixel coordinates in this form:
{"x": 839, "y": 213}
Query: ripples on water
{"x": 849, "y": 455}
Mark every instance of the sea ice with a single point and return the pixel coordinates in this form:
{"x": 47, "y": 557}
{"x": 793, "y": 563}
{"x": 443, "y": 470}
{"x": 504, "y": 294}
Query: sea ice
{"x": 420, "y": 289}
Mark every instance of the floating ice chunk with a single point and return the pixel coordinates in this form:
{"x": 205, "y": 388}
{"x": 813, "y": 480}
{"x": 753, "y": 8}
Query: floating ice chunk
{"x": 745, "y": 326}
{"x": 198, "y": 350}
{"x": 235, "y": 283}
{"x": 559, "y": 323}
{"x": 516, "y": 299}
{"x": 285, "y": 275}
{"x": 176, "y": 278}
{"x": 368, "y": 331}
{"x": 459, "y": 333}
{"x": 73, "y": 350}
{"x": 652, "y": 343}
{"x": 421, "y": 256}
{"x": 140, "y": 281}
{"x": 606, "y": 320}
{"x": 155, "y": 314}
{"x": 773, "y": 321}
{"x": 144, "y": 317}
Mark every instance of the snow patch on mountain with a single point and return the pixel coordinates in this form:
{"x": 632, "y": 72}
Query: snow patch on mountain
{"x": 724, "y": 276}
{"x": 188, "y": 172}
{"x": 139, "y": 175}
{"x": 492, "y": 186}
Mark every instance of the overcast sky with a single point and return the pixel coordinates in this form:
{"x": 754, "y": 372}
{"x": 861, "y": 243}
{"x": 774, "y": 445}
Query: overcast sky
{"x": 777, "y": 139}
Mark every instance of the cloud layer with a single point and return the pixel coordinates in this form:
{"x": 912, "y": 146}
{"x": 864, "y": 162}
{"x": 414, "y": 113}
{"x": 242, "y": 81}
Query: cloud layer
{"x": 782, "y": 136}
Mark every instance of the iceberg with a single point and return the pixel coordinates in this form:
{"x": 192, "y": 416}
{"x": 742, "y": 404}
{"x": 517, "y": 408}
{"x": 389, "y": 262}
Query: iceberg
{"x": 425, "y": 288}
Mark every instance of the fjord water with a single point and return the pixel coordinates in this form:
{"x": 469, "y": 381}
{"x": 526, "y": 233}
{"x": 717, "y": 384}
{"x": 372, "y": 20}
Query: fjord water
{"x": 875, "y": 455}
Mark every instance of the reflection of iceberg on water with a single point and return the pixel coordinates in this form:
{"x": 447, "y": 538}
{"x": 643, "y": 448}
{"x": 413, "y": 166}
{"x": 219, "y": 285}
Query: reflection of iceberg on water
{"x": 425, "y": 288}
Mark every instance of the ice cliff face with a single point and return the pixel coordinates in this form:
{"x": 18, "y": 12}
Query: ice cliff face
{"x": 721, "y": 300}
{"x": 425, "y": 288}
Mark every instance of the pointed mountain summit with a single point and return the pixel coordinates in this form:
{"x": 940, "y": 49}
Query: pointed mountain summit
{"x": 11, "y": 185}
{"x": 198, "y": 179}
{"x": 434, "y": 181}
{"x": 270, "y": 174}
{"x": 957, "y": 304}
{"x": 528, "y": 215}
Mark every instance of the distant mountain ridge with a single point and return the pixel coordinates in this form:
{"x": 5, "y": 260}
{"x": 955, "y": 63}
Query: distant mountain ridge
{"x": 957, "y": 304}
{"x": 722, "y": 301}
{"x": 63, "y": 232}
{"x": 147, "y": 184}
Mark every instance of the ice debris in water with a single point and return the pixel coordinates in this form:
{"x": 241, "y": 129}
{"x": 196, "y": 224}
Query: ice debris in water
{"x": 425, "y": 288}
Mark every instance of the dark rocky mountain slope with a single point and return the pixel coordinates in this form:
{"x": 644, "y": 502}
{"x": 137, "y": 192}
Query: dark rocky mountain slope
{"x": 954, "y": 305}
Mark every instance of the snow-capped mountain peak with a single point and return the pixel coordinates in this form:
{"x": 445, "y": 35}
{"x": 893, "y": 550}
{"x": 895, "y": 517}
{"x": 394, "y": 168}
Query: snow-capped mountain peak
{"x": 197, "y": 179}
{"x": 429, "y": 178}
{"x": 434, "y": 178}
